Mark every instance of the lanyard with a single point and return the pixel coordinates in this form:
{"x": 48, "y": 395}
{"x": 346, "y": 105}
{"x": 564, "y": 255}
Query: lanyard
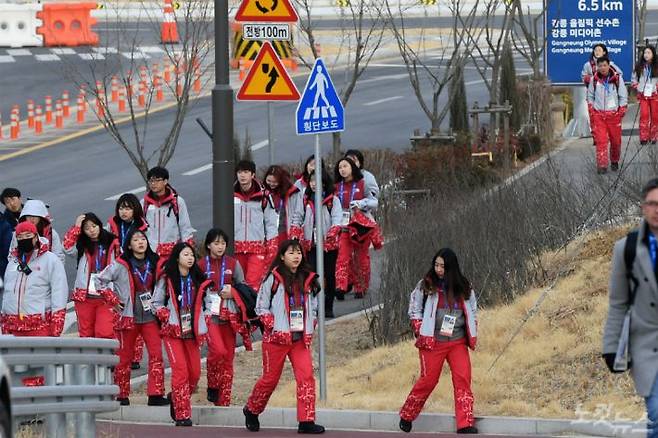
{"x": 352, "y": 193}
{"x": 186, "y": 292}
{"x": 147, "y": 272}
{"x": 606, "y": 84}
{"x": 446, "y": 304}
{"x": 280, "y": 205}
{"x": 221, "y": 273}
{"x": 291, "y": 298}
{"x": 99, "y": 257}
{"x": 124, "y": 232}
{"x": 653, "y": 249}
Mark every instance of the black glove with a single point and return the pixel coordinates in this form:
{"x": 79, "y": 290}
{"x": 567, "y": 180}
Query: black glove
{"x": 610, "y": 362}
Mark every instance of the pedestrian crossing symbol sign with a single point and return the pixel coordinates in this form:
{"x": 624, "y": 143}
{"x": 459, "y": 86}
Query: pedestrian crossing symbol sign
{"x": 268, "y": 79}
{"x": 320, "y": 109}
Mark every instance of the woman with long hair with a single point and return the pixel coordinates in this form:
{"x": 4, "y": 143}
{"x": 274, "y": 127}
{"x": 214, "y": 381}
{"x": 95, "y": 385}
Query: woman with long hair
{"x": 128, "y": 214}
{"x": 227, "y": 315}
{"x": 286, "y": 199}
{"x": 645, "y": 83}
{"x": 179, "y": 305}
{"x": 309, "y": 166}
{"x": 131, "y": 278}
{"x": 358, "y": 229}
{"x": 589, "y": 68}
{"x": 95, "y": 248}
{"x": 287, "y": 306}
{"x": 331, "y": 214}
{"x": 443, "y": 313}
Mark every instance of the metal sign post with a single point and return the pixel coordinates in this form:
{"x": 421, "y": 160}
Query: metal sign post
{"x": 320, "y": 111}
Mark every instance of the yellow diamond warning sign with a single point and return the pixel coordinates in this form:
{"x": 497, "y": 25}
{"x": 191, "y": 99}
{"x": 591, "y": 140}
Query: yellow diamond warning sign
{"x": 267, "y": 11}
{"x": 268, "y": 79}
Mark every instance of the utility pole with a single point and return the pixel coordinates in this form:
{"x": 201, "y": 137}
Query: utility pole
{"x": 222, "y": 128}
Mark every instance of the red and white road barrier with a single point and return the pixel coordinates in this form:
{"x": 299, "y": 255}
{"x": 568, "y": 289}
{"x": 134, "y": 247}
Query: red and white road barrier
{"x": 30, "y": 114}
{"x": 66, "y": 110}
{"x": 159, "y": 93}
{"x": 100, "y": 99}
{"x": 14, "y": 132}
{"x": 80, "y": 116}
{"x": 115, "y": 89}
{"x": 122, "y": 99}
{"x": 197, "y": 78}
{"x": 38, "y": 121}
{"x": 167, "y": 70}
{"x": 59, "y": 115}
{"x": 141, "y": 97}
{"x": 49, "y": 110}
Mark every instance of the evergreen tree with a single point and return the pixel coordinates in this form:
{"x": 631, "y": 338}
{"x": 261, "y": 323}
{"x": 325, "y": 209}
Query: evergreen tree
{"x": 458, "y": 106}
{"x": 508, "y": 91}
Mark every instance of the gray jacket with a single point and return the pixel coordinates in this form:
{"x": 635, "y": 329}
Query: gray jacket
{"x": 643, "y": 348}
{"x": 645, "y": 85}
{"x": 167, "y": 310}
{"x": 608, "y": 98}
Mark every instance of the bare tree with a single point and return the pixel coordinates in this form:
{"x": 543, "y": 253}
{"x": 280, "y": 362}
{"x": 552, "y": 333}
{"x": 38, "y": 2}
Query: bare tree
{"x": 144, "y": 81}
{"x": 364, "y": 31}
{"x": 641, "y": 8}
{"x": 453, "y": 55}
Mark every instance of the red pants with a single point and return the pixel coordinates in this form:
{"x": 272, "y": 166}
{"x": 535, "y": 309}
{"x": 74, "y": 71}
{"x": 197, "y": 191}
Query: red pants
{"x": 606, "y": 127}
{"x": 274, "y": 356}
{"x": 95, "y": 318}
{"x": 254, "y": 267}
{"x": 353, "y": 264}
{"x": 151, "y": 334}
{"x": 185, "y": 360}
{"x": 221, "y": 351}
{"x": 431, "y": 363}
{"x": 139, "y": 349}
{"x": 648, "y": 118}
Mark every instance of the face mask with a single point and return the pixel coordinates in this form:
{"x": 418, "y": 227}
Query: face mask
{"x": 25, "y": 246}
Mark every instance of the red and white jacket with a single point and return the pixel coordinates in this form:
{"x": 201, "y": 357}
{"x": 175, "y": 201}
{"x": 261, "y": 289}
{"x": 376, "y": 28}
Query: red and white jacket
{"x": 36, "y": 301}
{"x": 273, "y": 309}
{"x": 423, "y": 318}
{"x": 168, "y": 220}
{"x": 167, "y": 309}
{"x": 646, "y": 85}
{"x": 292, "y": 203}
{"x": 255, "y": 221}
{"x": 362, "y": 226}
{"x": 83, "y": 274}
{"x": 356, "y": 191}
{"x": 234, "y": 310}
{"x": 332, "y": 214}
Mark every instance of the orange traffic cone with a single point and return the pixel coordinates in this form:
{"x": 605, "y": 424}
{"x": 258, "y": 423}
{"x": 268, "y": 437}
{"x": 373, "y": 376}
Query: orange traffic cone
{"x": 168, "y": 29}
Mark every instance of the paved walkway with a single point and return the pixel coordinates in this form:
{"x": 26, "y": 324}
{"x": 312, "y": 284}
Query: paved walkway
{"x": 111, "y": 430}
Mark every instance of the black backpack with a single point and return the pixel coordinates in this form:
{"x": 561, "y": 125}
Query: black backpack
{"x": 629, "y": 258}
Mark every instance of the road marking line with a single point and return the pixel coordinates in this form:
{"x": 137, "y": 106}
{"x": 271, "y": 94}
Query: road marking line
{"x": 19, "y": 52}
{"x": 259, "y": 145}
{"x": 384, "y": 78}
{"x": 198, "y": 170}
{"x": 387, "y": 99}
{"x": 105, "y": 50}
{"x": 6, "y": 58}
{"x": 91, "y": 56}
{"x": 133, "y": 191}
{"x": 150, "y": 49}
{"x": 135, "y": 55}
{"x": 46, "y": 58}
{"x": 63, "y": 51}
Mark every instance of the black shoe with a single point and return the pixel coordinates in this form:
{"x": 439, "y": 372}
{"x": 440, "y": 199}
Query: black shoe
{"x": 340, "y": 295}
{"x": 251, "y": 420}
{"x": 614, "y": 167}
{"x": 185, "y": 422}
{"x": 310, "y": 427}
{"x": 469, "y": 429}
{"x": 135, "y": 366}
{"x": 653, "y": 141}
{"x": 123, "y": 401}
{"x": 601, "y": 170}
{"x": 213, "y": 395}
{"x": 157, "y": 400}
{"x": 358, "y": 295}
{"x": 329, "y": 314}
{"x": 405, "y": 426}
{"x": 644, "y": 142}
{"x": 172, "y": 413}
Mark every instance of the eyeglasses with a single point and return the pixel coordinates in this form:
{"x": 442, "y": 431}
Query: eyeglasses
{"x": 650, "y": 204}
{"x": 155, "y": 180}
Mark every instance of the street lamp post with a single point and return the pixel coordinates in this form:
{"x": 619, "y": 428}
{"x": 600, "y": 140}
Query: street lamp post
{"x": 222, "y": 128}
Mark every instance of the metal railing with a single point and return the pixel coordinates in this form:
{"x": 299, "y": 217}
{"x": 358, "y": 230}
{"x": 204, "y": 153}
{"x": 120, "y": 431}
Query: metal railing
{"x": 77, "y": 376}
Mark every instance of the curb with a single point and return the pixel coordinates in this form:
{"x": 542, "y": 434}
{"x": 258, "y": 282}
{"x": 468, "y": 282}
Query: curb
{"x": 380, "y": 421}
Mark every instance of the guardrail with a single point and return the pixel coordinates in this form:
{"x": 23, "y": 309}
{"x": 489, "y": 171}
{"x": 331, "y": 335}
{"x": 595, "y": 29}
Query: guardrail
{"x": 77, "y": 376}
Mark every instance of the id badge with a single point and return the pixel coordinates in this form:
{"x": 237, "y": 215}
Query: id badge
{"x": 91, "y": 290}
{"x": 345, "y": 221}
{"x": 186, "y": 323}
{"x": 146, "y": 298}
{"x": 648, "y": 90}
{"x": 448, "y": 325}
{"x": 215, "y": 303}
{"x": 297, "y": 320}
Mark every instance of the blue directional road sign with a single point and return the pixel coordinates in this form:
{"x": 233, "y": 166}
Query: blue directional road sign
{"x": 319, "y": 110}
{"x": 573, "y": 27}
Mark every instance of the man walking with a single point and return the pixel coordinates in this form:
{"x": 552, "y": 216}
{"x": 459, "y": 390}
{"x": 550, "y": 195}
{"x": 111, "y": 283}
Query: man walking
{"x": 632, "y": 324}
